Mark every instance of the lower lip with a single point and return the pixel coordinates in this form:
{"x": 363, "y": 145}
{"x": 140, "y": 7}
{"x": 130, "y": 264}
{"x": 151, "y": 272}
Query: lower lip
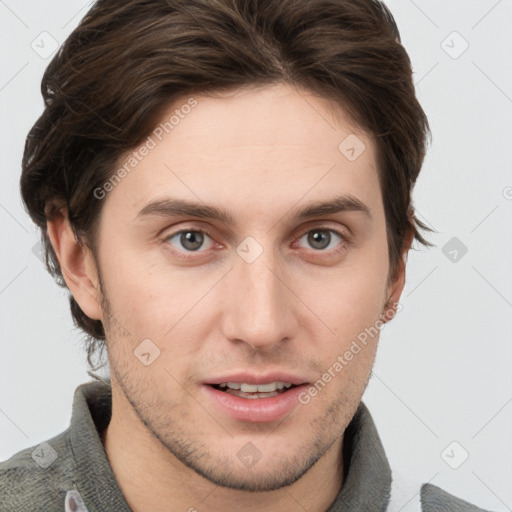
{"x": 255, "y": 409}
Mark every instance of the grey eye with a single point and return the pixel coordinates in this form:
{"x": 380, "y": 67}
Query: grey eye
{"x": 190, "y": 240}
{"x": 321, "y": 239}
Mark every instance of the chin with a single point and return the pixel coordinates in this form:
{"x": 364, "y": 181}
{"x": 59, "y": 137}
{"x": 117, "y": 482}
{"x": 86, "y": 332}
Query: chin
{"x": 262, "y": 480}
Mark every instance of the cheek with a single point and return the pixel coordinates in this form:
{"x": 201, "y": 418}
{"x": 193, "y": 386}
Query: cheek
{"x": 153, "y": 299}
{"x": 348, "y": 300}
{"x": 133, "y": 289}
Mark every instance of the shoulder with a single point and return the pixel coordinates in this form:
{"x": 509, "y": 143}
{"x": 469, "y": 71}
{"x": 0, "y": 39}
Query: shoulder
{"x": 37, "y": 478}
{"x": 410, "y": 495}
{"x": 435, "y": 499}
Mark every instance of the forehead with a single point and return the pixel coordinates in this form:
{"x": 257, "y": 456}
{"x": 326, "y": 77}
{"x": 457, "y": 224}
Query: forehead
{"x": 253, "y": 149}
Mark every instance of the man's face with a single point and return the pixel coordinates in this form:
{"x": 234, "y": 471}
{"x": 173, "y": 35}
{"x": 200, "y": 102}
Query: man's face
{"x": 265, "y": 295}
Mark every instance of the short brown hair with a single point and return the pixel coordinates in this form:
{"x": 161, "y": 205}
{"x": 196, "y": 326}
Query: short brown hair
{"x": 127, "y": 61}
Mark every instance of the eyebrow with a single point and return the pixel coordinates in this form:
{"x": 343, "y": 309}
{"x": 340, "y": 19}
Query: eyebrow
{"x": 176, "y": 207}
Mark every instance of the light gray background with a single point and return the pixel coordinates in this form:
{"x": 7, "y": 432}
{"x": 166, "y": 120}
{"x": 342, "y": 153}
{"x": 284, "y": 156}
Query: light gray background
{"x": 443, "y": 370}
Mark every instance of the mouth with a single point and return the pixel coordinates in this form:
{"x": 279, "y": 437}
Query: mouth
{"x": 255, "y": 398}
{"x": 253, "y": 391}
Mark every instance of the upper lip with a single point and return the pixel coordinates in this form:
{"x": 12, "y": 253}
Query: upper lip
{"x": 262, "y": 378}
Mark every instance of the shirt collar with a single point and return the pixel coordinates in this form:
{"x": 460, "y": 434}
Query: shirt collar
{"x": 367, "y": 485}
{"x": 96, "y": 483}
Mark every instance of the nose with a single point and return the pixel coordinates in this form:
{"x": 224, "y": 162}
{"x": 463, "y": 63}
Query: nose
{"x": 258, "y": 305}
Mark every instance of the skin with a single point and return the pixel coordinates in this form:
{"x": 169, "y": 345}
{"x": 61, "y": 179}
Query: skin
{"x": 261, "y": 154}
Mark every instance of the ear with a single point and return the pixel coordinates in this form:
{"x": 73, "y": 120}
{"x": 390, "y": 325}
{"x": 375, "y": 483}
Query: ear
{"x": 396, "y": 286}
{"x": 77, "y": 264}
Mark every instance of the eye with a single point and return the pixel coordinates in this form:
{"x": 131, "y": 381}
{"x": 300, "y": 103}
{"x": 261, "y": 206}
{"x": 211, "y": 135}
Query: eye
{"x": 323, "y": 239}
{"x": 190, "y": 240}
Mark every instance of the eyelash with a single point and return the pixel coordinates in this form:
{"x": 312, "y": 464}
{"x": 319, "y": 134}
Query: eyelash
{"x": 316, "y": 252}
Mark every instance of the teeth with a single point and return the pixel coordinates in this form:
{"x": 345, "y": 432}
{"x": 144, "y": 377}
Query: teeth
{"x": 253, "y": 388}
{"x": 256, "y": 388}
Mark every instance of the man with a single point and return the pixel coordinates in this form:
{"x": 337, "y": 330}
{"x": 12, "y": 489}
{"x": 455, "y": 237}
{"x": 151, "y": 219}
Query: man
{"x": 225, "y": 189}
